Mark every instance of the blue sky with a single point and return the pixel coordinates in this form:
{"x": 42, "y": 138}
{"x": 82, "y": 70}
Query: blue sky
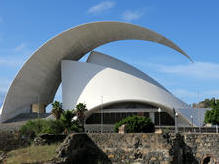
{"x": 193, "y": 25}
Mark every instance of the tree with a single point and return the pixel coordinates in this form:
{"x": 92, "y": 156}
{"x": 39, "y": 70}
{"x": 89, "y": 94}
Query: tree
{"x": 80, "y": 112}
{"x": 66, "y": 118}
{"x": 207, "y": 103}
{"x": 57, "y": 109}
{"x": 70, "y": 125}
{"x": 212, "y": 116}
{"x": 136, "y": 124}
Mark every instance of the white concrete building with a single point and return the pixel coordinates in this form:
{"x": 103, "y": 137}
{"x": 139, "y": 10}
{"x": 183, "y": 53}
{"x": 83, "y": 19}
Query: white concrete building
{"x": 101, "y": 82}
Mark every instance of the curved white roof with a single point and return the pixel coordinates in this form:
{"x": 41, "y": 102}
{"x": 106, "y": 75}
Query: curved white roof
{"x": 114, "y": 81}
{"x": 108, "y": 61}
{"x": 40, "y": 76}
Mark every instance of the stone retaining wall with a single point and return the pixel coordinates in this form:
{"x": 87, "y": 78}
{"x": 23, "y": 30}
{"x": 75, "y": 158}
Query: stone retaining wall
{"x": 203, "y": 146}
{"x": 130, "y": 147}
{"x": 134, "y": 147}
{"x": 140, "y": 148}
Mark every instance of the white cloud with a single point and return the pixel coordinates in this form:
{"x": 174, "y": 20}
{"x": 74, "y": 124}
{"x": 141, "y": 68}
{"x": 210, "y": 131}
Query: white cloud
{"x": 20, "y": 47}
{"x": 106, "y": 5}
{"x": 2, "y": 96}
{"x": 14, "y": 57}
{"x": 4, "y": 84}
{"x": 3, "y": 89}
{"x": 11, "y": 62}
{"x": 195, "y": 95}
{"x": 132, "y": 15}
{"x": 201, "y": 70}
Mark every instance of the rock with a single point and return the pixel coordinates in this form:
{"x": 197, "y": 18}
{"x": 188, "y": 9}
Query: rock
{"x": 158, "y": 131}
{"x": 79, "y": 148}
{"x": 3, "y": 156}
{"x": 122, "y": 129}
{"x": 111, "y": 156}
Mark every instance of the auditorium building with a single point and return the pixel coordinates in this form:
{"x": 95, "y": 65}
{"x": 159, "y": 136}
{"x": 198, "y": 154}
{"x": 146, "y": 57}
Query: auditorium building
{"x": 110, "y": 88}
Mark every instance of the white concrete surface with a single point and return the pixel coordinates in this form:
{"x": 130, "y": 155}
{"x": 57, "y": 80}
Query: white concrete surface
{"x": 89, "y": 83}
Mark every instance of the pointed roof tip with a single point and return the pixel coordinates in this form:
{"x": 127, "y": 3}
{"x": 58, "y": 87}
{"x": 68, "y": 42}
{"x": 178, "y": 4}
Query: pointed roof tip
{"x": 187, "y": 56}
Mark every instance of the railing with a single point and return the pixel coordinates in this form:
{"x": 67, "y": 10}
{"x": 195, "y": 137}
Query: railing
{"x": 97, "y": 128}
{"x": 190, "y": 129}
{"x": 108, "y": 128}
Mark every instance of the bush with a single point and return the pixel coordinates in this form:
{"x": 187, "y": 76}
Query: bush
{"x": 68, "y": 122}
{"x": 212, "y": 116}
{"x": 77, "y": 127}
{"x": 136, "y": 124}
{"x": 53, "y": 127}
{"x": 66, "y": 118}
{"x": 35, "y": 127}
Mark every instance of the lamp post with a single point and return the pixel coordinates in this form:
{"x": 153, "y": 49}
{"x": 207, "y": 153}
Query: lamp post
{"x": 191, "y": 119}
{"x": 176, "y": 124}
{"x": 159, "y": 110}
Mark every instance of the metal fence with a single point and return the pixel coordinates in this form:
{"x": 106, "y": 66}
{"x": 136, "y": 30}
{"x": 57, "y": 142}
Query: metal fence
{"x": 108, "y": 128}
{"x": 190, "y": 129}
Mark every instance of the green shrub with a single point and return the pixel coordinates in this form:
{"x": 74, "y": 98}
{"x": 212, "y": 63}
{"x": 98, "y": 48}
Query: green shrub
{"x": 76, "y": 127}
{"x": 136, "y": 124}
{"x": 70, "y": 124}
{"x": 53, "y": 127}
{"x": 212, "y": 116}
{"x": 35, "y": 127}
{"x": 66, "y": 118}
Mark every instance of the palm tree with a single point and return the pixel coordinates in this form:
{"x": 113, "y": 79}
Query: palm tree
{"x": 57, "y": 109}
{"x": 66, "y": 118}
{"x": 80, "y": 110}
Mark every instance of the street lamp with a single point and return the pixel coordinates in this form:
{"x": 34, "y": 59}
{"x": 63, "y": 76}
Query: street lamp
{"x": 176, "y": 124}
{"x": 191, "y": 119}
{"x": 159, "y": 110}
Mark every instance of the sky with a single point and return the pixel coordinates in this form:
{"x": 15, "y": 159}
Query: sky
{"x": 25, "y": 25}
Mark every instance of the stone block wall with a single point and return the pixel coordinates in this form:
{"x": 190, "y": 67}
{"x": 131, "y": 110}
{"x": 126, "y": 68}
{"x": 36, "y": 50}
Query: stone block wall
{"x": 130, "y": 147}
{"x": 140, "y": 148}
{"x": 203, "y": 146}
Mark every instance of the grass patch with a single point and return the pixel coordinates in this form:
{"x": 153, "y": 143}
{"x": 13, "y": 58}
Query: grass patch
{"x": 32, "y": 154}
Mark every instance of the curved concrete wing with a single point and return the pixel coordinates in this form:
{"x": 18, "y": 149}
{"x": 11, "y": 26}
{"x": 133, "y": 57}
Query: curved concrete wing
{"x": 40, "y": 76}
{"x": 93, "y": 82}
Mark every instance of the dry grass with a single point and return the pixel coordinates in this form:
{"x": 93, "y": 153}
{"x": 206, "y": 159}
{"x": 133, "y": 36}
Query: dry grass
{"x": 32, "y": 154}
